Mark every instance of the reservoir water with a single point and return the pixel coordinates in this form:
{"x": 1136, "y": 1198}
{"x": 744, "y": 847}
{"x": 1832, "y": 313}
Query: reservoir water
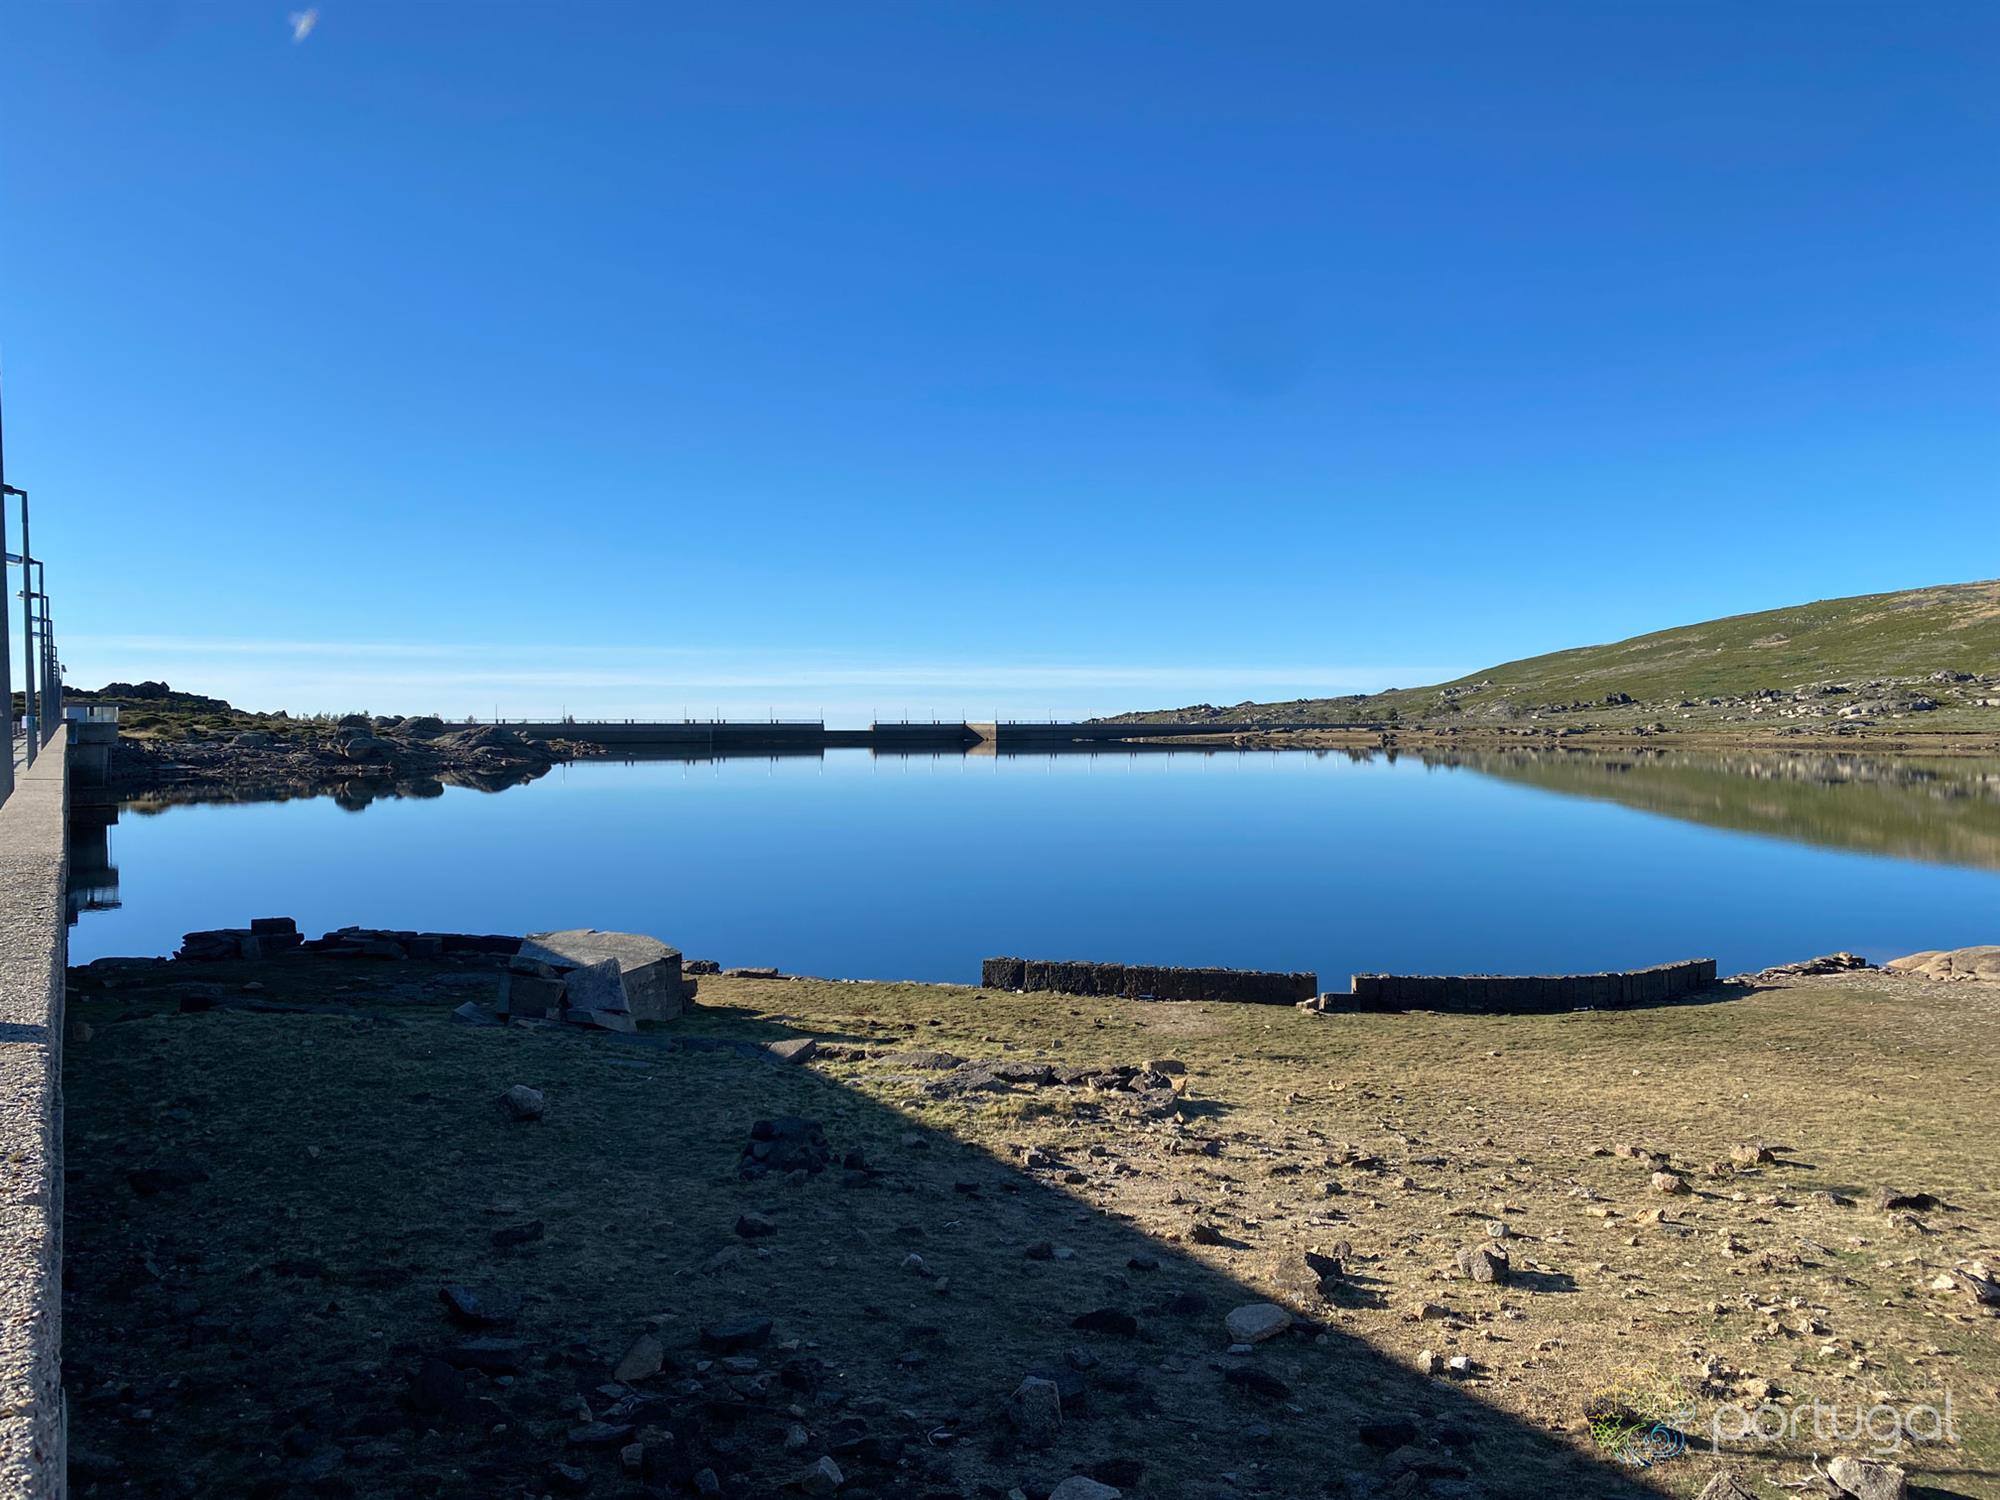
{"x": 883, "y": 867}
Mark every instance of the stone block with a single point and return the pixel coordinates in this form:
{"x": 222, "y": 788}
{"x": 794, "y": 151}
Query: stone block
{"x": 644, "y": 972}
{"x": 527, "y": 995}
{"x": 596, "y": 985}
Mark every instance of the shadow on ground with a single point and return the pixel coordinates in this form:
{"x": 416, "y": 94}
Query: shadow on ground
{"x": 264, "y": 1208}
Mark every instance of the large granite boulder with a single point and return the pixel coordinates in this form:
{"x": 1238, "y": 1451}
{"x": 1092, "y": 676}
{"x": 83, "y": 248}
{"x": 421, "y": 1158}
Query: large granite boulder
{"x": 1982, "y": 962}
{"x": 621, "y": 971}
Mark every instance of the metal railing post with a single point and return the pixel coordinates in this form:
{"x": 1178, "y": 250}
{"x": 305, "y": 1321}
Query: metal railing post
{"x": 30, "y": 720}
{"x": 6, "y": 653}
{"x": 50, "y": 665}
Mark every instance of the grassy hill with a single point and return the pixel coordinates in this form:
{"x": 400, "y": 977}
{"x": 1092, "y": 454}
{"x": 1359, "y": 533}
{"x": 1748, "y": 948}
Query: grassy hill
{"x": 1928, "y": 659}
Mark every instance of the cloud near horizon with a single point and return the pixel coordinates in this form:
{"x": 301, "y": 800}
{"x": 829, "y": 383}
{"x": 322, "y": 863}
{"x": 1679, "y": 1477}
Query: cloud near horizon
{"x": 625, "y": 681}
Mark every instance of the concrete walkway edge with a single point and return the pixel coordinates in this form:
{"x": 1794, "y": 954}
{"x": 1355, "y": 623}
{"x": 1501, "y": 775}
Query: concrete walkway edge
{"x": 34, "y": 942}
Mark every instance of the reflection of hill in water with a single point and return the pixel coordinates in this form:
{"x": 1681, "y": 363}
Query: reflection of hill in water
{"x": 1946, "y": 811}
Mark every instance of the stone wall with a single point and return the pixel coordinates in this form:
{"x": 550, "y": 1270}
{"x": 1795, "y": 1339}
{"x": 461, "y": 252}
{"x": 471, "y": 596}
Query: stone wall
{"x": 1140, "y": 981}
{"x": 1519, "y": 993}
{"x": 33, "y": 953}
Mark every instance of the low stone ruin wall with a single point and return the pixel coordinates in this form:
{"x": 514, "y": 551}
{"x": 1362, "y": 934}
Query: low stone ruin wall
{"x": 267, "y": 937}
{"x": 611, "y": 980}
{"x": 1145, "y": 982}
{"x": 1526, "y": 993}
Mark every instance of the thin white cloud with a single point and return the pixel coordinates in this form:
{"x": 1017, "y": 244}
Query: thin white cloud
{"x": 646, "y": 681}
{"x": 302, "y": 23}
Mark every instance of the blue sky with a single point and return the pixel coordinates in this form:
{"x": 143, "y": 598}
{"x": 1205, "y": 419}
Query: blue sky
{"x": 979, "y": 358}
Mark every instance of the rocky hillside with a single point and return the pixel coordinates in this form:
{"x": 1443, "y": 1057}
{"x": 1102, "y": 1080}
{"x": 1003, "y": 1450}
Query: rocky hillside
{"x": 173, "y": 743}
{"x": 1924, "y": 659}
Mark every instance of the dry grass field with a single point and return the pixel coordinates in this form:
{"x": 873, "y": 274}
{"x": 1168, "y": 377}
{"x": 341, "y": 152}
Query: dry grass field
{"x": 258, "y": 1311}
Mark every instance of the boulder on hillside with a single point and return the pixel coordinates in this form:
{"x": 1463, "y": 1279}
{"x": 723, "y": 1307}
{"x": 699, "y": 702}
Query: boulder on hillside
{"x": 1981, "y": 962}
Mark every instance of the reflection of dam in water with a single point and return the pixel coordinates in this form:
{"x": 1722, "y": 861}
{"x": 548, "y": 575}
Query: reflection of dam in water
{"x": 93, "y": 879}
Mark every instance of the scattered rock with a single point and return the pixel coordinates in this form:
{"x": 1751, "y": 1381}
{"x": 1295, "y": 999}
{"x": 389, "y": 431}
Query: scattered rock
{"x": 522, "y": 1103}
{"x": 1484, "y": 1263}
{"x": 643, "y": 1360}
{"x": 1890, "y": 1198}
{"x": 1258, "y": 1382}
{"x": 1257, "y": 1321}
{"x": 788, "y": 1143}
{"x": 929, "y": 1061}
{"x": 1866, "y": 1479}
{"x": 1083, "y": 1487}
{"x": 1826, "y": 963}
{"x": 1669, "y": 1183}
{"x": 823, "y": 1478}
{"x": 1330, "y": 1269}
{"x": 1108, "y": 1320}
{"x": 1035, "y": 1411}
{"x": 755, "y": 1226}
{"x": 793, "y": 1050}
{"x": 479, "y": 1307}
{"x": 600, "y": 1434}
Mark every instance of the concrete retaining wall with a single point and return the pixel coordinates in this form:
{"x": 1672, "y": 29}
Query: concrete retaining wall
{"x": 1519, "y": 993}
{"x": 1136, "y": 981}
{"x": 696, "y": 734}
{"x": 33, "y": 954}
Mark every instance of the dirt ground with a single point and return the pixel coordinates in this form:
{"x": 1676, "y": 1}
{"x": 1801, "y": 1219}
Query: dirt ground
{"x": 269, "y": 1187}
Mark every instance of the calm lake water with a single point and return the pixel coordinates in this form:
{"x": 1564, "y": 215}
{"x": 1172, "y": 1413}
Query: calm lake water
{"x": 918, "y": 867}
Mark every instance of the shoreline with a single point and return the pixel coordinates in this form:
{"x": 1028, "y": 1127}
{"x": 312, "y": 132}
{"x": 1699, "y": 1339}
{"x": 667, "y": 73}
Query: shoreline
{"x": 1448, "y": 737}
{"x": 492, "y": 760}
